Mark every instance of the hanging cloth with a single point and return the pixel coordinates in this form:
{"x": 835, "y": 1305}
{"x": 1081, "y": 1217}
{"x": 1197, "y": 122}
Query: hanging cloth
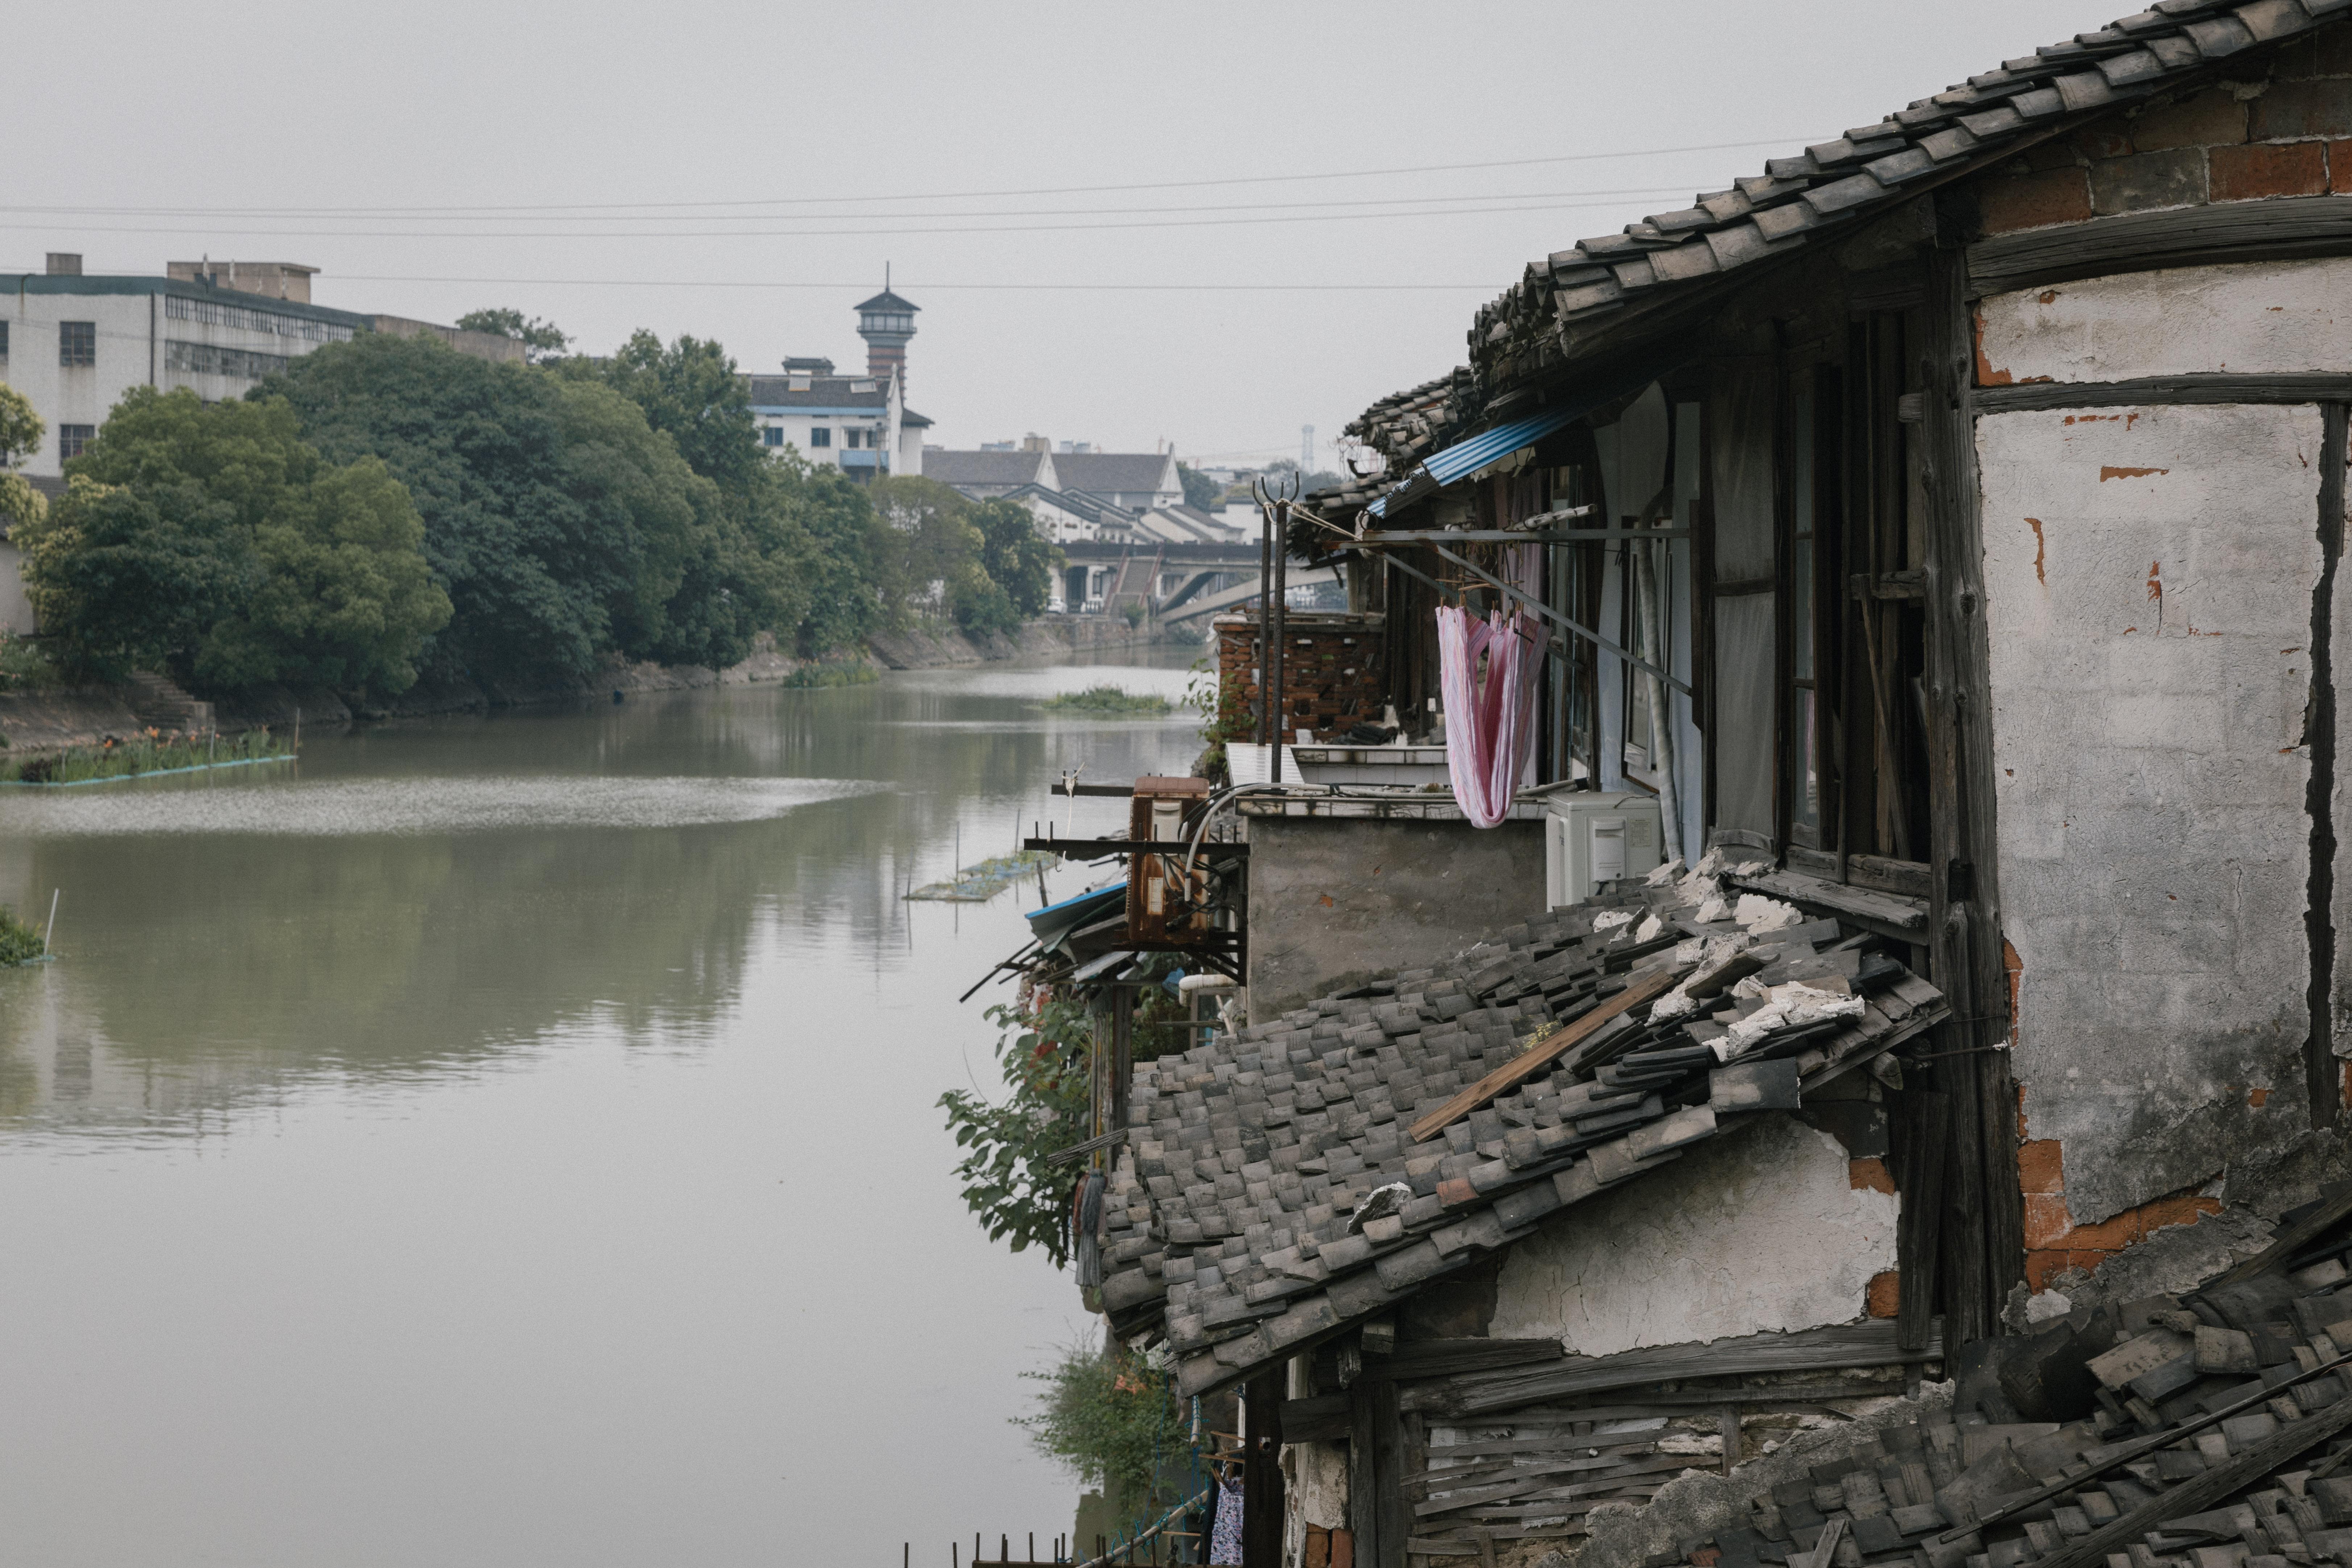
{"x": 1225, "y": 1535}
{"x": 1489, "y": 714}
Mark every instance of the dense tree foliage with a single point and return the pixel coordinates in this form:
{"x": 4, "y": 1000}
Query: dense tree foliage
{"x": 539, "y": 340}
{"x": 20, "y": 436}
{"x": 213, "y": 540}
{"x": 1200, "y": 490}
{"x": 389, "y": 507}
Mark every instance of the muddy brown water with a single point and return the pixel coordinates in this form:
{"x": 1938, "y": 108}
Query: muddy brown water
{"x": 512, "y": 1139}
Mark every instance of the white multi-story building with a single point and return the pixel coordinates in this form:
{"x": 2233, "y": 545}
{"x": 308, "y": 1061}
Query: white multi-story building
{"x": 74, "y": 344}
{"x": 857, "y": 423}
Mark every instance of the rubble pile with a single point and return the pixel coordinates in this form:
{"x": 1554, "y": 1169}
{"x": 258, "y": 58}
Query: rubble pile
{"x": 1317, "y": 1168}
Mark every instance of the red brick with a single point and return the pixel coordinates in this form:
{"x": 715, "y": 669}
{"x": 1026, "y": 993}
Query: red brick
{"x": 1869, "y": 1172}
{"x": 2296, "y": 109}
{"x": 2030, "y": 201}
{"x": 2180, "y": 1208}
{"x": 2339, "y": 168}
{"x": 2108, "y": 1235}
{"x": 1884, "y": 1299}
{"x": 2041, "y": 1167}
{"x": 2214, "y": 118}
{"x": 2269, "y": 169}
{"x": 2147, "y": 180}
{"x": 2047, "y": 1222}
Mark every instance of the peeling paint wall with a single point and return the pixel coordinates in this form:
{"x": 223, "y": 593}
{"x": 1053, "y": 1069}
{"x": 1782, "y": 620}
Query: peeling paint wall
{"x": 2243, "y": 319}
{"x": 1762, "y": 1230}
{"x": 2148, "y": 575}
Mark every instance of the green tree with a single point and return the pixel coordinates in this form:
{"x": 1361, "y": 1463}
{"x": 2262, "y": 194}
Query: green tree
{"x": 1019, "y": 560}
{"x": 691, "y": 390}
{"x": 20, "y": 435}
{"x": 1114, "y": 1418}
{"x": 211, "y": 538}
{"x": 540, "y": 340}
{"x": 562, "y": 526}
{"x": 1200, "y": 490}
{"x": 853, "y": 556}
{"x": 346, "y": 599}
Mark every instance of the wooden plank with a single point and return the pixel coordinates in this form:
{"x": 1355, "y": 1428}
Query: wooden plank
{"x": 1389, "y": 1468}
{"x": 1527, "y": 1064}
{"x": 1907, "y": 916}
{"x": 2033, "y": 397}
{"x": 1927, "y": 1136}
{"x": 2134, "y": 242}
{"x": 1906, "y": 879}
{"x": 1320, "y": 1418}
{"x": 1846, "y": 1345}
{"x": 1261, "y": 1479}
{"x": 2288, "y": 1242}
{"x": 1446, "y": 1358}
{"x": 2200, "y": 1492}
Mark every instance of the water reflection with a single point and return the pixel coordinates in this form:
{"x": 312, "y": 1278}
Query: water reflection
{"x": 438, "y": 897}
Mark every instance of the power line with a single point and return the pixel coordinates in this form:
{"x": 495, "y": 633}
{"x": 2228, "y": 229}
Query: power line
{"x": 903, "y": 283}
{"x": 1647, "y": 190}
{"x": 911, "y": 197}
{"x": 818, "y": 233}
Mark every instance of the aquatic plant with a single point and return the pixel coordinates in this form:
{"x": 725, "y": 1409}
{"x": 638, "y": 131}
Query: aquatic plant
{"x": 19, "y": 943}
{"x": 152, "y": 752}
{"x": 1109, "y": 699}
{"x": 817, "y": 675}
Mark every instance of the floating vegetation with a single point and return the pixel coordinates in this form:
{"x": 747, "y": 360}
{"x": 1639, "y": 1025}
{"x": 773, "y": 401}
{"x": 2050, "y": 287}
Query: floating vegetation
{"x": 978, "y": 884}
{"x": 140, "y": 755}
{"x": 812, "y": 676}
{"x": 19, "y": 943}
{"x": 1110, "y": 699}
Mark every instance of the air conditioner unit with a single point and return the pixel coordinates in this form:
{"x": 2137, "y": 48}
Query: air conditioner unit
{"x": 1589, "y": 839}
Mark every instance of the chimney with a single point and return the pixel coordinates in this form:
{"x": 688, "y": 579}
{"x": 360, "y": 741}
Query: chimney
{"x": 887, "y": 322}
{"x": 65, "y": 264}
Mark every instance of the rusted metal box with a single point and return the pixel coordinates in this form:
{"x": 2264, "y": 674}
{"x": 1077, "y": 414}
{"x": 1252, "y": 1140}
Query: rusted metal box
{"x": 1163, "y": 904}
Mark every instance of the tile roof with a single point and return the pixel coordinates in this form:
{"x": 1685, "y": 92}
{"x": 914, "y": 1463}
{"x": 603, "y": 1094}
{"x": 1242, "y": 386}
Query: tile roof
{"x": 822, "y": 391}
{"x": 957, "y": 468}
{"x": 1827, "y": 190}
{"x": 1232, "y": 1221}
{"x": 1117, "y": 473}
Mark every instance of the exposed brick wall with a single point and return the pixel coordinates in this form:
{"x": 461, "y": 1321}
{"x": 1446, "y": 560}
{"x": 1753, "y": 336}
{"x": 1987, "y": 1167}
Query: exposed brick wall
{"x": 2285, "y": 133}
{"x": 1332, "y": 675}
{"x": 2054, "y": 1243}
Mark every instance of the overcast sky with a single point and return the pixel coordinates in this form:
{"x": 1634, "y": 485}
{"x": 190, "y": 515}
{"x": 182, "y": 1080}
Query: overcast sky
{"x": 594, "y": 106}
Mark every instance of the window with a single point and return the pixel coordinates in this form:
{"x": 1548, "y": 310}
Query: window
{"x": 77, "y": 342}
{"x": 772, "y": 435}
{"x": 72, "y": 438}
{"x": 276, "y": 323}
{"x": 820, "y": 436}
{"x": 853, "y": 437}
{"x": 4, "y": 340}
{"x": 211, "y": 359}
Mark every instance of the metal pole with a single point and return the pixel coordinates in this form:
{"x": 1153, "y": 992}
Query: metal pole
{"x": 52, "y": 930}
{"x": 1264, "y": 621}
{"x": 1281, "y": 634}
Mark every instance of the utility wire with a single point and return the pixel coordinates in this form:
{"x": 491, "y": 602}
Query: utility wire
{"x": 810, "y": 233}
{"x": 905, "y": 283}
{"x": 913, "y": 197}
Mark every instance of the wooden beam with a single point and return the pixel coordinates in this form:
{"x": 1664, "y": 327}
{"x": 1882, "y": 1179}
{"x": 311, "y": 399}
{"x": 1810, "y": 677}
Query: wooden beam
{"x": 1539, "y": 1058}
{"x": 2288, "y": 1242}
{"x": 2138, "y": 242}
{"x": 2162, "y": 389}
{"x": 2200, "y": 1492}
{"x": 1261, "y": 1472}
{"x": 1514, "y": 535}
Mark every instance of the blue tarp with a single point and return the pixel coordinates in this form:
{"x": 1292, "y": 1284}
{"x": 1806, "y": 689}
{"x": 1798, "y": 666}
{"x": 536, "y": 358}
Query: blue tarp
{"x": 1467, "y": 457}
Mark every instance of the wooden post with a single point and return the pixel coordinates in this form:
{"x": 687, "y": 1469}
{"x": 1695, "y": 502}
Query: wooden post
{"x": 1261, "y": 1472}
{"x": 1985, "y": 1208}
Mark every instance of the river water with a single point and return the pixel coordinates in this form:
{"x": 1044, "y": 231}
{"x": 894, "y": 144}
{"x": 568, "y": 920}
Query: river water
{"x": 513, "y": 1140}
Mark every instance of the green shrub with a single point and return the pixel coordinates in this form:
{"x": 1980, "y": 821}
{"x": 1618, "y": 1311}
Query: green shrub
{"x": 1109, "y": 699}
{"x": 19, "y": 943}
{"x": 1115, "y": 1419}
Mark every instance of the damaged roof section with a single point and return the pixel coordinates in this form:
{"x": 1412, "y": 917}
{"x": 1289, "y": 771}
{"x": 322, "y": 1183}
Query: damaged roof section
{"x": 2209, "y": 1430}
{"x": 1317, "y": 1169}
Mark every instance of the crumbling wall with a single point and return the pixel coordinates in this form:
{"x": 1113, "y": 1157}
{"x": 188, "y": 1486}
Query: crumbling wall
{"x": 2247, "y": 318}
{"x": 1768, "y": 1229}
{"x": 2149, "y": 577}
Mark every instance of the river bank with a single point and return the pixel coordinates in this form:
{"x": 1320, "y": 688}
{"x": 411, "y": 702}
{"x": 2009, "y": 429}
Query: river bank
{"x": 59, "y": 717}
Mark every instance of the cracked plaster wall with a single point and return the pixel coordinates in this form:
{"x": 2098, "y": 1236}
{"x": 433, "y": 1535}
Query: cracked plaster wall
{"x": 1762, "y": 1230}
{"x": 2245, "y": 318}
{"x": 2148, "y": 575}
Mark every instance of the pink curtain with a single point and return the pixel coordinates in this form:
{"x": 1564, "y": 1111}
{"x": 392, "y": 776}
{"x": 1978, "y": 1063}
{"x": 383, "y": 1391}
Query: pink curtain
{"x": 1489, "y": 707}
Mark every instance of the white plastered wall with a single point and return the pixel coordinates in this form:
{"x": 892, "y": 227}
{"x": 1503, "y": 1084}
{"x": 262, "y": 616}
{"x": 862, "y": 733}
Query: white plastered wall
{"x": 2148, "y": 575}
{"x": 1760, "y": 1231}
{"x": 2244, "y": 319}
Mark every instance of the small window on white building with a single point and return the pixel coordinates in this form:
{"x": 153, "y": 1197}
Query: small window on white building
{"x": 77, "y": 342}
{"x": 72, "y": 438}
{"x": 773, "y": 434}
{"x": 4, "y": 340}
{"x": 820, "y": 436}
